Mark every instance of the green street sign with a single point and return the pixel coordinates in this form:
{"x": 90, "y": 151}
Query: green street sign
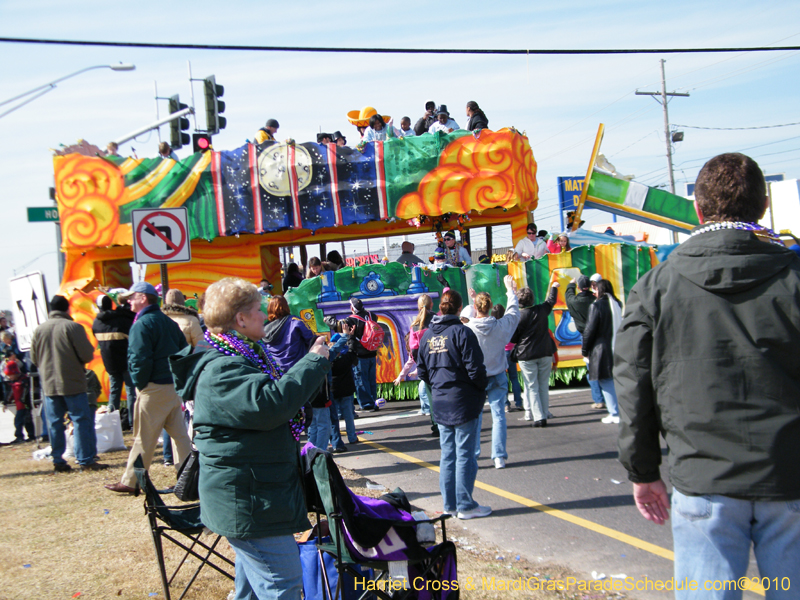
{"x": 39, "y": 214}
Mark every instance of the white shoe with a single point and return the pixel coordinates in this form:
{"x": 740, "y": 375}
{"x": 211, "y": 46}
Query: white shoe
{"x": 609, "y": 419}
{"x": 528, "y": 416}
{"x": 499, "y": 463}
{"x": 475, "y": 513}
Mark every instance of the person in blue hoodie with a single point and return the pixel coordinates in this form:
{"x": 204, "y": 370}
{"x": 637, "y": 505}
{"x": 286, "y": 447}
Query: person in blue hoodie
{"x": 451, "y": 362}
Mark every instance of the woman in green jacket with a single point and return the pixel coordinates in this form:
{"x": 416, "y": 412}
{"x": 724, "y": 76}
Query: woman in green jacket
{"x": 247, "y": 424}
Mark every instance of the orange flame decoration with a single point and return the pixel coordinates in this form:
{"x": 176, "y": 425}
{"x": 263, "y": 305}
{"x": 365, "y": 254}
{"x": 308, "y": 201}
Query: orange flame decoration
{"x": 89, "y": 192}
{"x": 496, "y": 169}
{"x": 388, "y": 367}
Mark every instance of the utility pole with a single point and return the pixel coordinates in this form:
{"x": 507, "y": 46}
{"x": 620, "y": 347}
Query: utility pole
{"x": 663, "y": 101}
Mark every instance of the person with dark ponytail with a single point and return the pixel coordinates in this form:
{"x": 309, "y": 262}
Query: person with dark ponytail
{"x": 477, "y": 118}
{"x": 451, "y": 362}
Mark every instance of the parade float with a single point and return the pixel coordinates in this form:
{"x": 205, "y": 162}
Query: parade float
{"x": 245, "y": 204}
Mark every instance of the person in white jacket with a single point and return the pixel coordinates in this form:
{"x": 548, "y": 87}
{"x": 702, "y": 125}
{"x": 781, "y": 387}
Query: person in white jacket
{"x": 493, "y": 335}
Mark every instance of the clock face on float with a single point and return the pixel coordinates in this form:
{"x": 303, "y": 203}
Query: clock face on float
{"x": 273, "y": 169}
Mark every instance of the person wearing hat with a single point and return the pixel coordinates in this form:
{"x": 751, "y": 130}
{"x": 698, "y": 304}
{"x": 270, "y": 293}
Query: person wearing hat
{"x": 408, "y": 258}
{"x": 153, "y": 338}
{"x": 439, "y": 261}
{"x": 443, "y": 121}
{"x": 339, "y": 139}
{"x": 361, "y": 119}
{"x": 267, "y": 133}
{"x": 379, "y": 129}
{"x": 578, "y": 305}
{"x": 426, "y": 120}
{"x": 455, "y": 254}
{"x": 111, "y": 327}
{"x": 324, "y": 138}
{"x": 60, "y": 349}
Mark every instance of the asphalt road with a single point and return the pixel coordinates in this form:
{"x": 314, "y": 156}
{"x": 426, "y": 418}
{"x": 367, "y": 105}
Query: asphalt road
{"x": 563, "y": 497}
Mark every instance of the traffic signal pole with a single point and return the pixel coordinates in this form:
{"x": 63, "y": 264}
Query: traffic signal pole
{"x": 155, "y": 125}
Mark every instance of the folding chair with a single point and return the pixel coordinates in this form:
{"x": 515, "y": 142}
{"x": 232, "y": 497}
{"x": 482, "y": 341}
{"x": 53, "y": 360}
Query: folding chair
{"x": 184, "y": 520}
{"x": 376, "y": 535}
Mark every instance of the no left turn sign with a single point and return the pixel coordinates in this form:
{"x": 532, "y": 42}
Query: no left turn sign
{"x": 160, "y": 235}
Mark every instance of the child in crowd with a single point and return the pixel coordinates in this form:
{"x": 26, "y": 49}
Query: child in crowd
{"x": 405, "y": 128}
{"x": 342, "y": 390}
{"x": 17, "y": 380}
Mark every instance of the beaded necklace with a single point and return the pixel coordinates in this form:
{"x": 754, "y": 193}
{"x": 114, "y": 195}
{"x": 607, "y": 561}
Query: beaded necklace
{"x": 763, "y": 233}
{"x": 233, "y": 343}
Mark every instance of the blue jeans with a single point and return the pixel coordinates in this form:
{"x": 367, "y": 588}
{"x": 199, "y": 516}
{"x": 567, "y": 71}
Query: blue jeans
{"x": 20, "y": 425}
{"x": 82, "y": 417}
{"x": 609, "y": 395}
{"x": 424, "y": 398}
{"x": 512, "y": 375}
{"x": 319, "y": 432}
{"x": 458, "y": 466}
{"x": 713, "y": 535}
{"x": 115, "y": 392}
{"x": 497, "y": 393}
{"x": 343, "y": 408}
{"x": 267, "y": 568}
{"x": 366, "y": 382}
{"x": 536, "y": 374}
{"x": 597, "y": 394}
{"x": 167, "y": 443}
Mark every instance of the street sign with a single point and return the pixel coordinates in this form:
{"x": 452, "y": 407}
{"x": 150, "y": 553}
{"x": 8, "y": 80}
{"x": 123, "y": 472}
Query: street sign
{"x": 29, "y": 304}
{"x": 42, "y": 214}
{"x": 160, "y": 236}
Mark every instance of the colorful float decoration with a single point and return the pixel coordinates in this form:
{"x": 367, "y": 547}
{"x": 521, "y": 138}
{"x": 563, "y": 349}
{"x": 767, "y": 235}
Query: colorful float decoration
{"x": 244, "y": 204}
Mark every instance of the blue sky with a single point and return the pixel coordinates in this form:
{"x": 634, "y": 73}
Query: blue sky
{"x": 557, "y": 100}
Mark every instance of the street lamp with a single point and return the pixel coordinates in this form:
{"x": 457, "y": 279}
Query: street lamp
{"x": 43, "y": 89}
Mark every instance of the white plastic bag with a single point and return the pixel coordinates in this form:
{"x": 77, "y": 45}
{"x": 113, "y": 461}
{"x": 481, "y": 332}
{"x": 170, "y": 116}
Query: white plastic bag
{"x": 108, "y": 429}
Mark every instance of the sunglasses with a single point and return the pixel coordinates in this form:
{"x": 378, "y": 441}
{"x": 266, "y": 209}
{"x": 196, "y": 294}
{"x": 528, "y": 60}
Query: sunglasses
{"x": 531, "y": 233}
{"x": 449, "y": 239}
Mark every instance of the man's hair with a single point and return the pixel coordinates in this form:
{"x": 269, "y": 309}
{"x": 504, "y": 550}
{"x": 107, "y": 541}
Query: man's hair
{"x": 498, "y": 311}
{"x": 226, "y": 298}
{"x": 731, "y": 187}
{"x": 278, "y": 308}
{"x": 163, "y": 148}
{"x": 525, "y": 296}
{"x": 59, "y": 303}
{"x": 151, "y": 298}
{"x": 407, "y": 247}
{"x": 430, "y": 105}
{"x": 105, "y": 303}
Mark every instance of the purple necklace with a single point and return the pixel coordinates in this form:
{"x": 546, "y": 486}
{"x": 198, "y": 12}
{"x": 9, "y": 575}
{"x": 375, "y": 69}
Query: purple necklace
{"x": 232, "y": 344}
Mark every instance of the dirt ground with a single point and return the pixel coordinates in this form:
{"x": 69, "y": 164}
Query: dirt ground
{"x": 65, "y": 536}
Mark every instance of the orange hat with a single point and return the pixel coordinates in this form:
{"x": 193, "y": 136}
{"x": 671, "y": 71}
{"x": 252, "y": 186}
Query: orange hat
{"x": 360, "y": 118}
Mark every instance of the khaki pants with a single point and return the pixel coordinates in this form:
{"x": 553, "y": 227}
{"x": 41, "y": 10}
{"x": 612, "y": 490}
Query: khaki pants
{"x": 157, "y": 407}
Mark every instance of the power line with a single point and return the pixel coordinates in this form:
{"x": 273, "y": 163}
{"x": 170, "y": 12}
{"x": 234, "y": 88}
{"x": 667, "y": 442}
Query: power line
{"x": 735, "y": 128}
{"x": 331, "y": 49}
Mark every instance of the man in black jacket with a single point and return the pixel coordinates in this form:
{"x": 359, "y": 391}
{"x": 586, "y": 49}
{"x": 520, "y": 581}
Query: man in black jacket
{"x": 422, "y": 125}
{"x": 707, "y": 356}
{"x": 111, "y": 328}
{"x": 578, "y": 305}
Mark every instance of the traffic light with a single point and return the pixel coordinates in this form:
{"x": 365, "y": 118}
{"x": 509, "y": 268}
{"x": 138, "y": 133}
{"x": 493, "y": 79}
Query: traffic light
{"x": 201, "y": 142}
{"x": 214, "y": 106}
{"x": 177, "y": 138}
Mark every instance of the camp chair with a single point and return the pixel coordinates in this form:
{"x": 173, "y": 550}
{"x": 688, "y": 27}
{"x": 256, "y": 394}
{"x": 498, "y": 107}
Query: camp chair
{"x": 362, "y": 539}
{"x": 165, "y": 521}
